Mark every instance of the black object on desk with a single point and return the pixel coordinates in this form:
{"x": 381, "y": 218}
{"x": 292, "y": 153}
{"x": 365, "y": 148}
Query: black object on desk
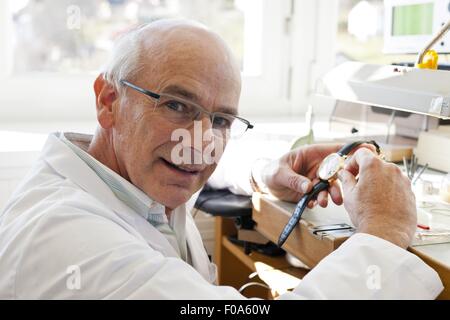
{"x": 226, "y": 204}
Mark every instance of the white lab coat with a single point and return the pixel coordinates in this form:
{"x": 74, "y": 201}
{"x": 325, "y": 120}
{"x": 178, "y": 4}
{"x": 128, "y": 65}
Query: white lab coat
{"x": 65, "y": 235}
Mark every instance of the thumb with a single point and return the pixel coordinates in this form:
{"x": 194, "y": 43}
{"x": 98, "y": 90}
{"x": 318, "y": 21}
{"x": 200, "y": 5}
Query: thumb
{"x": 287, "y": 177}
{"x": 347, "y": 179}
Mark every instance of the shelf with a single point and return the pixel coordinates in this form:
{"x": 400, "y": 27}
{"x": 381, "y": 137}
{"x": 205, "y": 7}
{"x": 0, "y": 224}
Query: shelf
{"x": 408, "y": 89}
{"x": 278, "y": 263}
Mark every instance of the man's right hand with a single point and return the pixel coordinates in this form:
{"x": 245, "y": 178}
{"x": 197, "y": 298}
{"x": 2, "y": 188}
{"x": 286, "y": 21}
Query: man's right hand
{"x": 380, "y": 202}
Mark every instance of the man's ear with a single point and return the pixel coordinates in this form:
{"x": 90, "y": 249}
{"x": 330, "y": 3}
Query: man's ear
{"x": 105, "y": 95}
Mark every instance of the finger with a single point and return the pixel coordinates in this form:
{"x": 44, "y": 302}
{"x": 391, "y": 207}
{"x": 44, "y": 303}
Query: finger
{"x": 369, "y": 146}
{"x": 335, "y": 193}
{"x": 322, "y": 198}
{"x": 288, "y": 178}
{"x": 347, "y": 180}
{"x": 362, "y": 157}
{"x": 312, "y": 204}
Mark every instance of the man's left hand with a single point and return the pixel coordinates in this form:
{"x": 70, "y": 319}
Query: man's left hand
{"x": 295, "y": 173}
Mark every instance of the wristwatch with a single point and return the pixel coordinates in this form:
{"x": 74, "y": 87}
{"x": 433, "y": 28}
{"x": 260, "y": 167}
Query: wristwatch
{"x": 327, "y": 173}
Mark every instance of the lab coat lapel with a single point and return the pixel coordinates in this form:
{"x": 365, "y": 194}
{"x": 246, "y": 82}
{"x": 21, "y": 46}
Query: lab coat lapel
{"x": 62, "y": 159}
{"x": 199, "y": 257}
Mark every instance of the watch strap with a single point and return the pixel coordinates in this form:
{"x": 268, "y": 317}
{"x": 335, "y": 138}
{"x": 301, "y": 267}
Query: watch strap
{"x": 345, "y": 150}
{"x": 300, "y": 208}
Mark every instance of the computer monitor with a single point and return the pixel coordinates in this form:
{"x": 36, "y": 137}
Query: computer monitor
{"x": 410, "y": 24}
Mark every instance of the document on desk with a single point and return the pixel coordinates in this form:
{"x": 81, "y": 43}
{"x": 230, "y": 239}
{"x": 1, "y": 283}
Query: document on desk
{"x": 436, "y": 217}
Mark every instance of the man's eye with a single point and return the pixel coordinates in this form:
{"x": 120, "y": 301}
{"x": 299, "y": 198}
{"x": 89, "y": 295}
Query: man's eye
{"x": 221, "y": 122}
{"x": 176, "y": 106}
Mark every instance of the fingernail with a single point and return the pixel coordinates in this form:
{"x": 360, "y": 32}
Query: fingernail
{"x": 305, "y": 186}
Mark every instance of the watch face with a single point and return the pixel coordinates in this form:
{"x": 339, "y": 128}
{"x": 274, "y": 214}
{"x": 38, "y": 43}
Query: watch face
{"x": 330, "y": 166}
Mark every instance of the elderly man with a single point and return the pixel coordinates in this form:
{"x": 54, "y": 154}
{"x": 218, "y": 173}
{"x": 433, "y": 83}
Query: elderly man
{"x": 106, "y": 217}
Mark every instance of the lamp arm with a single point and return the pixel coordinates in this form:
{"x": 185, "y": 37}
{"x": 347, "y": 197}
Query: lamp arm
{"x": 432, "y": 42}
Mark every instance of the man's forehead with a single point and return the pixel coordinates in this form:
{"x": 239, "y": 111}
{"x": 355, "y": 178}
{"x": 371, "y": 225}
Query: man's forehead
{"x": 182, "y": 91}
{"x": 189, "y": 52}
{"x": 192, "y": 63}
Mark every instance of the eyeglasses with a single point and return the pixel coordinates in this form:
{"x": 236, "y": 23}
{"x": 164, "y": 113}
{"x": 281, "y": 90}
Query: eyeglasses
{"x": 183, "y": 112}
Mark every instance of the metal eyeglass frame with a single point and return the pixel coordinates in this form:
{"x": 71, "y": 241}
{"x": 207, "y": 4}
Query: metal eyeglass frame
{"x": 157, "y": 97}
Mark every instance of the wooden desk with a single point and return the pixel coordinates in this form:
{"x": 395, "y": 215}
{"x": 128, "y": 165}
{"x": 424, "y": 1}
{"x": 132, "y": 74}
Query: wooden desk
{"x": 272, "y": 215}
{"x": 235, "y": 267}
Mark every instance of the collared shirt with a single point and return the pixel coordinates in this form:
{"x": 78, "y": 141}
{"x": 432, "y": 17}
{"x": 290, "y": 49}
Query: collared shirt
{"x": 133, "y": 197}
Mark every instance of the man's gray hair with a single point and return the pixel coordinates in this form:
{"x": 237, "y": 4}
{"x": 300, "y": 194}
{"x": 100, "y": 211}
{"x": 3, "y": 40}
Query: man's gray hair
{"x": 124, "y": 59}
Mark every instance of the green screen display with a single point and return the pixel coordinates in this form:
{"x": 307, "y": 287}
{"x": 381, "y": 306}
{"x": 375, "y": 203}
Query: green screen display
{"x": 412, "y": 20}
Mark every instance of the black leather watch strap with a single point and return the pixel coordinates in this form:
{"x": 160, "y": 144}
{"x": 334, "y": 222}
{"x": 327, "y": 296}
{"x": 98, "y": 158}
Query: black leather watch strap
{"x": 345, "y": 150}
{"x": 300, "y": 208}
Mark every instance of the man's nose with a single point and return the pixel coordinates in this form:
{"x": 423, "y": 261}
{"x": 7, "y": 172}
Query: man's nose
{"x": 206, "y": 120}
{"x": 203, "y": 139}
{"x": 201, "y": 131}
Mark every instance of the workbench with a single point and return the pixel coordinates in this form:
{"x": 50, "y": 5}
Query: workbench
{"x": 271, "y": 215}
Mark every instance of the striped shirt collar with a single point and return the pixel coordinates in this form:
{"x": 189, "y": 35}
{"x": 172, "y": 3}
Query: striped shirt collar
{"x": 128, "y": 193}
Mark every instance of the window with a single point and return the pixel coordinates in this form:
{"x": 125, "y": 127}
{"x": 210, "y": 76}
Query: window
{"x": 361, "y": 28}
{"x": 360, "y": 33}
{"x": 76, "y": 36}
{"x": 54, "y": 50}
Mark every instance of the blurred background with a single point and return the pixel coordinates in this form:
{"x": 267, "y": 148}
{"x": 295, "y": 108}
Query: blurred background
{"x": 50, "y": 51}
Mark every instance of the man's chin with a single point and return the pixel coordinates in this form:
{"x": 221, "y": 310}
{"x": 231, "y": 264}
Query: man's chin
{"x": 175, "y": 196}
